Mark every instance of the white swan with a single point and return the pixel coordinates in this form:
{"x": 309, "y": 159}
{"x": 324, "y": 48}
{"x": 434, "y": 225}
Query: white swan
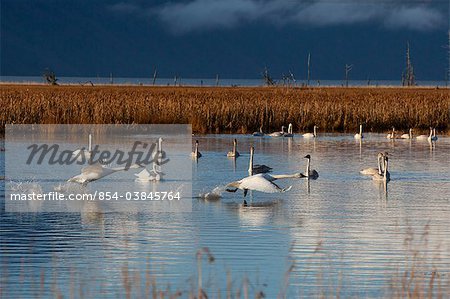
{"x": 373, "y": 171}
{"x": 255, "y": 169}
{"x": 156, "y": 173}
{"x": 289, "y": 132}
{"x": 278, "y": 134}
{"x": 360, "y": 134}
{"x": 311, "y": 135}
{"x": 408, "y": 135}
{"x": 83, "y": 152}
{"x": 391, "y": 135}
{"x": 433, "y": 136}
{"x": 385, "y": 176}
{"x": 260, "y": 133}
{"x": 310, "y": 173}
{"x": 146, "y": 176}
{"x": 196, "y": 154}
{"x": 424, "y": 137}
{"x": 97, "y": 171}
{"x": 234, "y": 153}
{"x": 255, "y": 182}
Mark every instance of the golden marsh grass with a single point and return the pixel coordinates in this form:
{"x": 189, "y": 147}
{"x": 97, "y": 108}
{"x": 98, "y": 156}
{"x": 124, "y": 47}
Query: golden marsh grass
{"x": 230, "y": 109}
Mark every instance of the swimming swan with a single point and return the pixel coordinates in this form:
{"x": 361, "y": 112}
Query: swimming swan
{"x": 433, "y": 136}
{"x": 407, "y": 136}
{"x": 374, "y": 171}
{"x": 289, "y": 132}
{"x": 391, "y": 135}
{"x": 310, "y": 173}
{"x": 196, "y": 154}
{"x": 234, "y": 153}
{"x": 278, "y": 134}
{"x": 360, "y": 134}
{"x": 385, "y": 176}
{"x": 156, "y": 173}
{"x": 311, "y": 135}
{"x": 260, "y": 133}
{"x": 255, "y": 169}
{"x": 424, "y": 137}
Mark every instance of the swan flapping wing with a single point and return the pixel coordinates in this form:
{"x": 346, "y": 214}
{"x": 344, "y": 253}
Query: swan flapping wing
{"x": 259, "y": 183}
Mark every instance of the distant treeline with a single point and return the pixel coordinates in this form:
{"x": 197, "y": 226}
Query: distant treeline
{"x": 228, "y": 109}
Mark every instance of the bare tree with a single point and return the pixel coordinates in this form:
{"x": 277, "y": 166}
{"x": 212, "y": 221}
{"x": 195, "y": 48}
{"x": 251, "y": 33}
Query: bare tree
{"x": 348, "y": 68}
{"x": 268, "y": 81}
{"x": 50, "y": 77}
{"x": 155, "y": 75}
{"x": 309, "y": 69}
{"x": 408, "y": 76}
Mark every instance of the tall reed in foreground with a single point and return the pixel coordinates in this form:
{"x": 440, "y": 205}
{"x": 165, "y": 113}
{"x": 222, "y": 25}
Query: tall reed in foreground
{"x": 229, "y": 110}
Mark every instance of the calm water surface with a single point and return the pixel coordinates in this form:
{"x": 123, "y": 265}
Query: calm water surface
{"x": 342, "y": 231}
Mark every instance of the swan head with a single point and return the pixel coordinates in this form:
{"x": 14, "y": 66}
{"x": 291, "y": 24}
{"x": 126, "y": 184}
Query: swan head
{"x": 196, "y": 142}
{"x": 307, "y": 157}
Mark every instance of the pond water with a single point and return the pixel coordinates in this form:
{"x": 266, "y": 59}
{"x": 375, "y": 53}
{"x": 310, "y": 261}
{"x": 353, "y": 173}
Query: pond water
{"x": 342, "y": 233}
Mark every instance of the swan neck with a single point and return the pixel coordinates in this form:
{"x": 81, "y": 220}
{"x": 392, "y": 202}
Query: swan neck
{"x": 379, "y": 165}
{"x": 90, "y": 143}
{"x": 360, "y": 130}
{"x": 307, "y": 167}
{"x": 250, "y": 166}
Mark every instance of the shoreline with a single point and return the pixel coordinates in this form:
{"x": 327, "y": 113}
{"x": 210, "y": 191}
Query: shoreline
{"x": 293, "y": 87}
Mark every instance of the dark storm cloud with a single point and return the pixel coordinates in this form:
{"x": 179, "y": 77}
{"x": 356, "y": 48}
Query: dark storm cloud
{"x": 199, "y": 15}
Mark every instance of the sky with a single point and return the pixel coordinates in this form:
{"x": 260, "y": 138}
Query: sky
{"x": 232, "y": 38}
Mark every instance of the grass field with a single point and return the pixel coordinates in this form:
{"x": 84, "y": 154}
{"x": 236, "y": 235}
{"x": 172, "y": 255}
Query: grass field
{"x": 230, "y": 109}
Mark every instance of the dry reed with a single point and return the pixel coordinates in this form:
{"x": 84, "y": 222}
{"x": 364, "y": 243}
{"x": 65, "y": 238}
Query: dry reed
{"x": 227, "y": 109}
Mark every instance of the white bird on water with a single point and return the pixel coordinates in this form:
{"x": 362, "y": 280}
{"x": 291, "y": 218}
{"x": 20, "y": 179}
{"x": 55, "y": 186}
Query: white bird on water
{"x": 425, "y": 137}
{"x": 433, "y": 136}
{"x": 196, "y": 154}
{"x": 156, "y": 173}
{"x": 310, "y": 173}
{"x": 391, "y": 135}
{"x": 146, "y": 176}
{"x": 278, "y": 134}
{"x": 385, "y": 176}
{"x": 97, "y": 171}
{"x": 255, "y": 169}
{"x": 311, "y": 135}
{"x": 374, "y": 171}
{"x": 257, "y": 182}
{"x": 407, "y": 135}
{"x": 234, "y": 153}
{"x": 360, "y": 134}
{"x": 260, "y": 133}
{"x": 289, "y": 132}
